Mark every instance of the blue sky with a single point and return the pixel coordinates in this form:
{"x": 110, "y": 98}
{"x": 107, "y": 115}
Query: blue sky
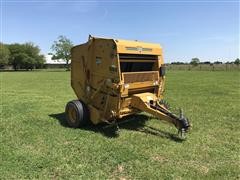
{"x": 208, "y": 30}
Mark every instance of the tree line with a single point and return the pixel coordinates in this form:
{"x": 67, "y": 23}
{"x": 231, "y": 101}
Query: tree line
{"x": 21, "y": 56}
{"x": 196, "y": 61}
{"x": 27, "y": 55}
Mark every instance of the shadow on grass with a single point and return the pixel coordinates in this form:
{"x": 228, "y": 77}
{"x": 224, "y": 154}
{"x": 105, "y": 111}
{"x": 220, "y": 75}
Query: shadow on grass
{"x": 134, "y": 123}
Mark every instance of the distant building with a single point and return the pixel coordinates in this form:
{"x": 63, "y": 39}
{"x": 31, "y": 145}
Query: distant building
{"x": 59, "y": 63}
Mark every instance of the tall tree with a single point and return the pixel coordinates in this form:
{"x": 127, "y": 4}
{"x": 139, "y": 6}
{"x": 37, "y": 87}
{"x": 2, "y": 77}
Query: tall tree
{"x": 4, "y": 54}
{"x": 237, "y": 61}
{"x": 195, "y": 61}
{"x": 62, "y": 49}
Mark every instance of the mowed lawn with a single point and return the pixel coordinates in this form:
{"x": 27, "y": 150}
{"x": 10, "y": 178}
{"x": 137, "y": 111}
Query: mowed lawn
{"x": 35, "y": 142}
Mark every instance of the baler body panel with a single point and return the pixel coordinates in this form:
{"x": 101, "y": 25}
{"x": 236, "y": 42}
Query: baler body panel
{"x": 137, "y": 47}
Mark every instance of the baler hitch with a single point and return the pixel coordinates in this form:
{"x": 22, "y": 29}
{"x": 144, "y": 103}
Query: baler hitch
{"x": 180, "y": 122}
{"x": 139, "y": 101}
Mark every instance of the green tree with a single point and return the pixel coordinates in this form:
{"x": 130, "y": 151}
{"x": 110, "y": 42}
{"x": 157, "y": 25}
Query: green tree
{"x": 25, "y": 56}
{"x": 25, "y": 61}
{"x": 237, "y": 61}
{"x": 21, "y": 59}
{"x": 195, "y": 61}
{"x": 62, "y": 49}
{"x": 217, "y": 62}
{"x": 39, "y": 61}
{"x": 15, "y": 50}
{"x": 4, "y": 54}
{"x": 35, "y": 59}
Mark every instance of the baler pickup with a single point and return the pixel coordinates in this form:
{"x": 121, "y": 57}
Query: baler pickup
{"x": 146, "y": 102}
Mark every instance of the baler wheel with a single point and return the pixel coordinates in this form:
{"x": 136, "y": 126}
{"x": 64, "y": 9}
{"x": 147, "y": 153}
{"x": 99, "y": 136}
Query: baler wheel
{"x": 77, "y": 114}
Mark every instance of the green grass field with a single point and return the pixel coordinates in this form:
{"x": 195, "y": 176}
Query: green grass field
{"x": 35, "y": 142}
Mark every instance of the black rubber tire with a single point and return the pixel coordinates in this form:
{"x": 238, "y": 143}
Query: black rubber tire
{"x": 77, "y": 114}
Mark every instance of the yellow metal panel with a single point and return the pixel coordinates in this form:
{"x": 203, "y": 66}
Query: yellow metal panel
{"x": 137, "y": 47}
{"x": 94, "y": 114}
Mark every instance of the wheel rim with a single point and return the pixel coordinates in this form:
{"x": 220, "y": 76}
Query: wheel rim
{"x": 72, "y": 114}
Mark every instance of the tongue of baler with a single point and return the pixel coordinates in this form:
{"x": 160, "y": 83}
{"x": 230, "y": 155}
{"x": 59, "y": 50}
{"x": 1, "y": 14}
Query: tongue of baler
{"x": 147, "y": 102}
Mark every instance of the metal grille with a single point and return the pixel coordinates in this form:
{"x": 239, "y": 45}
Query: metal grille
{"x": 130, "y": 77}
